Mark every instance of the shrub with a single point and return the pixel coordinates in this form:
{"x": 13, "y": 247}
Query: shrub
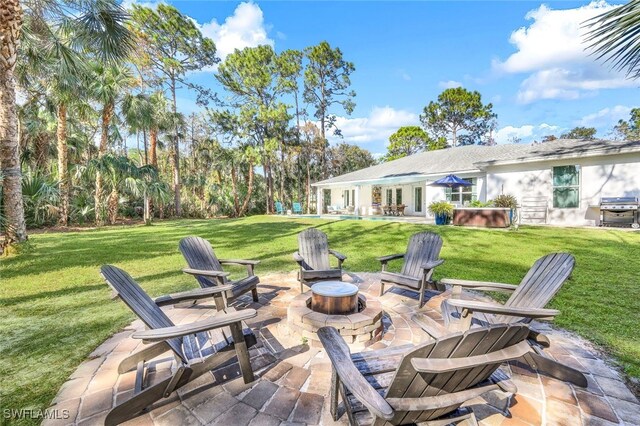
{"x": 506, "y": 201}
{"x": 478, "y": 203}
{"x": 441, "y": 207}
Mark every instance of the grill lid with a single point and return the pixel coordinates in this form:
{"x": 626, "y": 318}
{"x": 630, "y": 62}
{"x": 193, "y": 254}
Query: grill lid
{"x": 619, "y": 200}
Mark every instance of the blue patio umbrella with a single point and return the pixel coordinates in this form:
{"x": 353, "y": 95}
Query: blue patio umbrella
{"x": 451, "y": 181}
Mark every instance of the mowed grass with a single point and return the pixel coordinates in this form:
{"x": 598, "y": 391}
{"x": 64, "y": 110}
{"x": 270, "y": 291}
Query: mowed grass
{"x": 55, "y": 307}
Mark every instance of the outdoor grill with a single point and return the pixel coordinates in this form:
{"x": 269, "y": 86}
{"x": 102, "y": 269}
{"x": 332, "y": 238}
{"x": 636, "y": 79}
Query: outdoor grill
{"x": 619, "y": 211}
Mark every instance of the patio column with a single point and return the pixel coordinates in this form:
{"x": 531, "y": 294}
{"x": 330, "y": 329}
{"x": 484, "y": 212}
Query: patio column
{"x": 356, "y": 201}
{"x": 319, "y": 200}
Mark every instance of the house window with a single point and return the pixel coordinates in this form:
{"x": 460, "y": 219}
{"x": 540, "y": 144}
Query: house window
{"x": 566, "y": 187}
{"x": 417, "y": 199}
{"x": 464, "y": 194}
{"x": 398, "y": 196}
{"x": 346, "y": 197}
{"x": 389, "y": 197}
{"x": 353, "y": 197}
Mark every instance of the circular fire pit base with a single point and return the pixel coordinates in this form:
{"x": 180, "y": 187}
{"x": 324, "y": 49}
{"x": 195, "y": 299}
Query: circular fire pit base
{"x": 359, "y": 329}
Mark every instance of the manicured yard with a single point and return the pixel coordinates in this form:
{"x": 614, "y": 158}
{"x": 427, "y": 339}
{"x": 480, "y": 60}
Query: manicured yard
{"x": 55, "y": 308}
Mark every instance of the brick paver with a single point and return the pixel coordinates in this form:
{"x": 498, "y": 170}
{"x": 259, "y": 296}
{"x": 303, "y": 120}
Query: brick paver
{"x": 293, "y": 379}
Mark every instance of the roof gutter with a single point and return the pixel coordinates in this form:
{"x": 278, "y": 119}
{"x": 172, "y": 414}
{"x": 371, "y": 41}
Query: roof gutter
{"x": 382, "y": 181}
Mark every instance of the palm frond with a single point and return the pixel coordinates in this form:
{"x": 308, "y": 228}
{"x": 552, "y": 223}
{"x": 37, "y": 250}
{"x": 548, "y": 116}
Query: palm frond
{"x": 614, "y": 37}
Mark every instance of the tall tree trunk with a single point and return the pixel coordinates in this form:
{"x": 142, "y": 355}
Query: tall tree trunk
{"x": 175, "y": 155}
{"x": 114, "y": 199}
{"x": 107, "y": 115}
{"x": 269, "y": 178}
{"x": 146, "y": 146}
{"x": 63, "y": 166}
{"x": 153, "y": 147}
{"x": 10, "y": 26}
{"x": 308, "y": 188}
{"x": 282, "y": 172}
{"x": 234, "y": 189}
{"x": 42, "y": 152}
{"x": 245, "y": 204}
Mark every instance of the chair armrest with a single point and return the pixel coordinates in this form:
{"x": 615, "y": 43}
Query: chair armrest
{"x": 338, "y": 255}
{"x": 439, "y": 401}
{"x": 297, "y": 257}
{"x": 201, "y": 293}
{"x": 385, "y": 259}
{"x": 445, "y": 365}
{"x": 489, "y": 308}
{"x": 220, "y": 320}
{"x": 479, "y": 285}
{"x": 432, "y": 264}
{"x": 340, "y": 356}
{"x": 238, "y": 261}
{"x": 204, "y": 273}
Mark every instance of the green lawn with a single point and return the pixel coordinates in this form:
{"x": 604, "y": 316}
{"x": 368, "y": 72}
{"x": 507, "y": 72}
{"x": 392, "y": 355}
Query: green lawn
{"x": 55, "y": 308}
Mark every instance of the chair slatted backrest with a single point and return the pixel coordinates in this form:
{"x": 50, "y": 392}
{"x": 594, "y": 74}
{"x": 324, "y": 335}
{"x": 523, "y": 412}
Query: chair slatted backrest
{"x": 200, "y": 255}
{"x": 279, "y": 208}
{"x": 140, "y": 303}
{"x": 313, "y": 246}
{"x": 408, "y": 383}
{"x": 541, "y": 283}
{"x": 297, "y": 207}
{"x": 422, "y": 247}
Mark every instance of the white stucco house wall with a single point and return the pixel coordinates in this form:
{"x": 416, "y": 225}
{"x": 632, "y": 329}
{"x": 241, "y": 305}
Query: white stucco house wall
{"x": 564, "y": 179}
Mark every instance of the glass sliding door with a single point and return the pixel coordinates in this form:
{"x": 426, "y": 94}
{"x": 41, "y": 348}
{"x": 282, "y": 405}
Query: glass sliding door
{"x": 417, "y": 199}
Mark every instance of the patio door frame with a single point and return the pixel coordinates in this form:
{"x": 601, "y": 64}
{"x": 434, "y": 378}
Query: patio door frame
{"x": 421, "y": 188}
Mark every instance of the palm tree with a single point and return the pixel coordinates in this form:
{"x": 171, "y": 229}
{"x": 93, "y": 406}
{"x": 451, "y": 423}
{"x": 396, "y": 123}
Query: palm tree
{"x": 115, "y": 170}
{"x": 108, "y": 83}
{"x": 99, "y": 29}
{"x": 615, "y": 37}
{"x": 147, "y": 113}
{"x": 10, "y": 28}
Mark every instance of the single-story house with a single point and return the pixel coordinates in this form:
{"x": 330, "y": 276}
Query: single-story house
{"x": 557, "y": 182}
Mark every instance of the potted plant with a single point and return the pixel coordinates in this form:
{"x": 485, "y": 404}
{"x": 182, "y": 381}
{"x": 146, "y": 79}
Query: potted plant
{"x": 442, "y": 210}
{"x": 506, "y": 201}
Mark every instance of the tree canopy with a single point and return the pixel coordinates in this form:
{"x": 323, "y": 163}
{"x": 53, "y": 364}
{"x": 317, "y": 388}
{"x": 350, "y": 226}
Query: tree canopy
{"x": 459, "y": 116}
{"x": 409, "y": 140}
{"x": 586, "y": 133}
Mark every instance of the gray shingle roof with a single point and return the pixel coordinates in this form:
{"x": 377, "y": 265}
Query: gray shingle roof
{"x": 477, "y": 157}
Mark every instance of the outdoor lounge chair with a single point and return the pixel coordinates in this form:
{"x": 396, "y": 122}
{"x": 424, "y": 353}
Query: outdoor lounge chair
{"x": 279, "y": 208}
{"x": 197, "y": 347}
{"x": 207, "y": 268}
{"x": 424, "y": 383}
{"x": 420, "y": 259}
{"x": 297, "y": 208}
{"x": 526, "y": 303}
{"x": 313, "y": 258}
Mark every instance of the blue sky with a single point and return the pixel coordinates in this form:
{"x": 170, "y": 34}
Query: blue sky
{"x": 527, "y": 58}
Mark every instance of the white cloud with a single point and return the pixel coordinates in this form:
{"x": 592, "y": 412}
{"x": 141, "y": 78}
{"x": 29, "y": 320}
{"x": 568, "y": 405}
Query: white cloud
{"x": 403, "y": 74}
{"x": 526, "y": 133}
{"x": 378, "y": 126}
{"x": 245, "y": 28}
{"x": 449, "y": 84}
{"x": 552, "y": 50}
{"x": 606, "y": 117}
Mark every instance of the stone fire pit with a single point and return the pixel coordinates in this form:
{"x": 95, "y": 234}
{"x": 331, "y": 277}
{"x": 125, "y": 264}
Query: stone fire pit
{"x": 338, "y": 305}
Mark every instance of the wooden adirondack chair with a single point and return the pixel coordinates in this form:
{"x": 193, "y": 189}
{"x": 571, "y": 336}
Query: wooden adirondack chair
{"x": 207, "y": 268}
{"x": 297, "y": 208}
{"x": 197, "y": 347}
{"x": 313, "y": 258}
{"x": 420, "y": 260}
{"x": 526, "y": 303}
{"x": 279, "y": 208}
{"x": 426, "y": 383}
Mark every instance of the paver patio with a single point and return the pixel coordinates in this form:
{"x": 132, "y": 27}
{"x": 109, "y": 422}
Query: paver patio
{"x": 293, "y": 379}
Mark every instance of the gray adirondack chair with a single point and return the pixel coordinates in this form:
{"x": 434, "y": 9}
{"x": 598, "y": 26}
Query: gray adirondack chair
{"x": 197, "y": 347}
{"x": 527, "y": 302}
{"x": 207, "y": 269}
{"x": 313, "y": 258}
{"x": 420, "y": 260}
{"x": 426, "y": 383}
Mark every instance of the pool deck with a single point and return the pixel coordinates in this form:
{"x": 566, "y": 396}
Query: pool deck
{"x": 293, "y": 379}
